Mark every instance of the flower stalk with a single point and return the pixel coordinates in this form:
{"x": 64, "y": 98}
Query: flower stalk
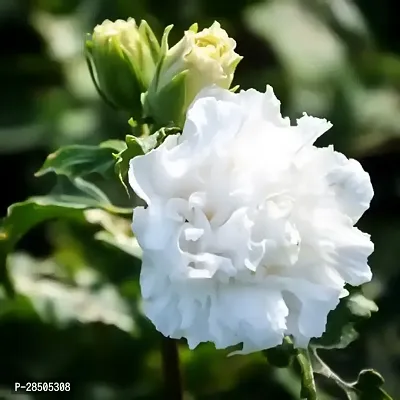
{"x": 171, "y": 369}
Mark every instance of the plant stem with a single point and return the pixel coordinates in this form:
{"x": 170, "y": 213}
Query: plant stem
{"x": 308, "y": 389}
{"x": 321, "y": 368}
{"x": 171, "y": 369}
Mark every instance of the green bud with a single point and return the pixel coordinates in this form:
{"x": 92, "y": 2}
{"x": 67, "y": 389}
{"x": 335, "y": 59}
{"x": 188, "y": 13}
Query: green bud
{"x": 122, "y": 58}
{"x": 198, "y": 60}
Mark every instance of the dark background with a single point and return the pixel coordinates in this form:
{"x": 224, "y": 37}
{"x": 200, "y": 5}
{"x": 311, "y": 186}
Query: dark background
{"x": 76, "y": 317}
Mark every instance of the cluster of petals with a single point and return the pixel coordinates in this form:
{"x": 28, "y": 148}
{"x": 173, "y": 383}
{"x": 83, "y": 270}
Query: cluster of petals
{"x": 248, "y": 229}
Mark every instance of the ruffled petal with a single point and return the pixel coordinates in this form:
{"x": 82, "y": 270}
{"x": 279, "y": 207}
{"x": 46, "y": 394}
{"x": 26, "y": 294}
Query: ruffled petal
{"x": 253, "y": 316}
{"x": 309, "y": 306}
{"x": 352, "y": 186}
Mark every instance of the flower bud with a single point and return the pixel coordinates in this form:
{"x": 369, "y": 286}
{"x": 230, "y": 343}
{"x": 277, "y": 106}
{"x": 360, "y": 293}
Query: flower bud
{"x": 198, "y": 60}
{"x": 124, "y": 58}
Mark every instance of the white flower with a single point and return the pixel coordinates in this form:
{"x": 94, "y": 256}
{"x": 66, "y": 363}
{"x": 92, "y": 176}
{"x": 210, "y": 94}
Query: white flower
{"x": 248, "y": 231}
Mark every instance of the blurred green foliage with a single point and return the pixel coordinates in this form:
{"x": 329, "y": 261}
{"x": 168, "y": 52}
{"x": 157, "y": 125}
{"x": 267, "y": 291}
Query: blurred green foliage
{"x": 76, "y": 313}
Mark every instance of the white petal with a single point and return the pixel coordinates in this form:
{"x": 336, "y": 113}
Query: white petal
{"x": 146, "y": 174}
{"x": 350, "y": 255}
{"x": 345, "y": 248}
{"x": 309, "y": 306}
{"x": 151, "y": 279}
{"x": 216, "y": 92}
{"x": 252, "y": 315}
{"x": 265, "y": 105}
{"x": 311, "y": 128}
{"x": 193, "y": 234}
{"x": 352, "y": 186}
{"x": 210, "y": 121}
{"x": 151, "y": 229}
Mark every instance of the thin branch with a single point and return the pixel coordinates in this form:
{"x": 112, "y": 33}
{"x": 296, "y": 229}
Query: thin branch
{"x": 171, "y": 369}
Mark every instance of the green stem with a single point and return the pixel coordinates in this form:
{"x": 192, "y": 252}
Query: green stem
{"x": 171, "y": 369}
{"x": 145, "y": 131}
{"x": 308, "y": 389}
{"x": 6, "y": 278}
{"x": 321, "y": 368}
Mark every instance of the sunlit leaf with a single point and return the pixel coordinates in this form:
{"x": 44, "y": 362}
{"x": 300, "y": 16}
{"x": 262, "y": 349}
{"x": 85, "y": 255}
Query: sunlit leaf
{"x": 340, "y": 330}
{"x": 80, "y": 160}
{"x": 115, "y": 144}
{"x": 92, "y": 191}
{"x": 55, "y": 301}
{"x": 126, "y": 244}
{"x": 117, "y": 231}
{"x": 21, "y": 217}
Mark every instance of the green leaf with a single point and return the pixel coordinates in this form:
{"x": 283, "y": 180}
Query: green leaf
{"x": 133, "y": 149}
{"x": 340, "y": 329}
{"x": 19, "y": 305}
{"x": 117, "y": 231}
{"x": 59, "y": 301}
{"x": 114, "y": 144}
{"x": 162, "y": 55}
{"x": 81, "y": 160}
{"x": 194, "y": 27}
{"x": 95, "y": 194}
{"x": 136, "y": 146}
{"x": 23, "y": 216}
{"x": 159, "y": 106}
{"x": 369, "y": 385}
{"x": 128, "y": 245}
{"x": 164, "y": 40}
{"x": 360, "y": 306}
{"x": 148, "y": 36}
